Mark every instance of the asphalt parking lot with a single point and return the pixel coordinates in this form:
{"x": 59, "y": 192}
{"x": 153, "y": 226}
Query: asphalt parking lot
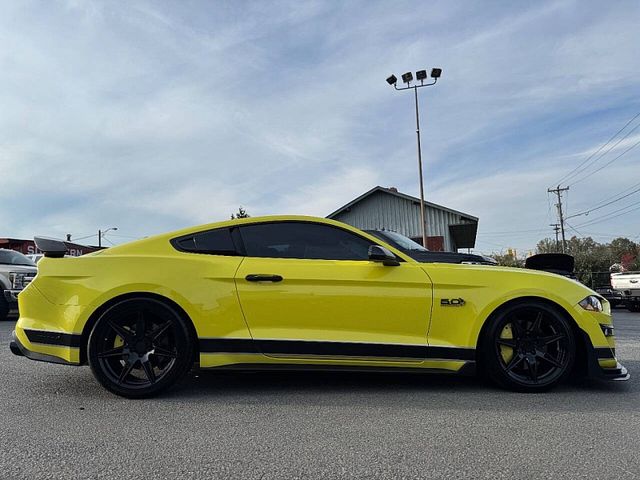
{"x": 58, "y": 423}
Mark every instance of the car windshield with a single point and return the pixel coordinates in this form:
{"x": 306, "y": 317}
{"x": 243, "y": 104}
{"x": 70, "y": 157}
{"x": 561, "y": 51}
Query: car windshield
{"x": 10, "y": 257}
{"x": 404, "y": 242}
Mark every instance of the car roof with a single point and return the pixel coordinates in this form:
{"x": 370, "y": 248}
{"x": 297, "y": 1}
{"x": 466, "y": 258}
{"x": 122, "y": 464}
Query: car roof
{"x": 132, "y": 246}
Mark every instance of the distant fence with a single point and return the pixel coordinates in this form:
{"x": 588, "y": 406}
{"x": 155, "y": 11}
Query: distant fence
{"x": 595, "y": 279}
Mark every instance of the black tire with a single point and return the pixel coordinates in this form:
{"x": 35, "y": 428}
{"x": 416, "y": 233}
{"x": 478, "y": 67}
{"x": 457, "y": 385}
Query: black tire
{"x": 634, "y": 307}
{"x": 4, "y": 308}
{"x": 140, "y": 347}
{"x": 528, "y": 347}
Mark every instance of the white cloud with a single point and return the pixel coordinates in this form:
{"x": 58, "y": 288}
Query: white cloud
{"x": 154, "y": 116}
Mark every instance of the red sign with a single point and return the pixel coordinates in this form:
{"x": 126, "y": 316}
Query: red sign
{"x": 29, "y": 247}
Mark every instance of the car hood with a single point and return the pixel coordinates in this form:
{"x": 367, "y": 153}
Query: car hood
{"x": 510, "y": 280}
{"x": 449, "y": 257}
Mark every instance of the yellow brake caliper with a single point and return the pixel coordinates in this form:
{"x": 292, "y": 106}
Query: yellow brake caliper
{"x": 505, "y": 351}
{"x": 118, "y": 342}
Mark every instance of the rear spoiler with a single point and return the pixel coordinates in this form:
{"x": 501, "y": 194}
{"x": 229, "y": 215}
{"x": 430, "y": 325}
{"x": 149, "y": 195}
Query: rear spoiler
{"x": 51, "y": 247}
{"x": 560, "y": 263}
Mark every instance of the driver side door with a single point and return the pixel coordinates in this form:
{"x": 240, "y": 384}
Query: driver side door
{"x": 309, "y": 290}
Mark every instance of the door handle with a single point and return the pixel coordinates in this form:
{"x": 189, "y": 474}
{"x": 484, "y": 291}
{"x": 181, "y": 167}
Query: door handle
{"x": 259, "y": 277}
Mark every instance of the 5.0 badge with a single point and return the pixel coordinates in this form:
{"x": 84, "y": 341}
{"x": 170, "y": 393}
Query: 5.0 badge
{"x": 452, "y": 302}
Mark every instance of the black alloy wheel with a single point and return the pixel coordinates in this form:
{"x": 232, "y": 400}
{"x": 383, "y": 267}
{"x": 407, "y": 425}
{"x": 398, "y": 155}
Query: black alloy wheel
{"x": 529, "y": 347}
{"x": 139, "y": 347}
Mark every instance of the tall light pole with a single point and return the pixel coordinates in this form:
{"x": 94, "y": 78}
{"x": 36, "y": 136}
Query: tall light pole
{"x": 407, "y": 78}
{"x": 102, "y": 232}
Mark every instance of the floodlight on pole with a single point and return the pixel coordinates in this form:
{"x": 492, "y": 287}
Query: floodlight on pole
{"x": 102, "y": 232}
{"x": 408, "y": 78}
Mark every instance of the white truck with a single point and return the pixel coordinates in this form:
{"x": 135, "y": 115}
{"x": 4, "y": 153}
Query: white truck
{"x": 16, "y": 272}
{"x": 627, "y": 285}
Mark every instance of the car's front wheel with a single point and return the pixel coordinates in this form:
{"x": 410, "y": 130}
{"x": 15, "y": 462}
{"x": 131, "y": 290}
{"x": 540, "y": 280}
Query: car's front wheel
{"x": 528, "y": 347}
{"x": 139, "y": 347}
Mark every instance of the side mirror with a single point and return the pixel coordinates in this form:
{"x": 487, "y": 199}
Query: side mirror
{"x": 381, "y": 254}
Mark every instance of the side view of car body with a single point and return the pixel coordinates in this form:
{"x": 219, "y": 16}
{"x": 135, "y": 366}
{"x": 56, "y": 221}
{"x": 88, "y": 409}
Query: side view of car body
{"x": 304, "y": 292}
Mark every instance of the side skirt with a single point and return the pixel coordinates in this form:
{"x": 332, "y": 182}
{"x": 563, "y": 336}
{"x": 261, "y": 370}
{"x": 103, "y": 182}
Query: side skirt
{"x": 289, "y": 354}
{"x": 468, "y": 369}
{"x": 364, "y": 351}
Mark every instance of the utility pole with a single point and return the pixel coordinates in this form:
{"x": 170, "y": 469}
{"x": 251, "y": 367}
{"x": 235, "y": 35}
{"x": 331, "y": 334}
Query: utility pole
{"x": 558, "y": 191}
{"x": 99, "y": 238}
{"x": 556, "y": 229}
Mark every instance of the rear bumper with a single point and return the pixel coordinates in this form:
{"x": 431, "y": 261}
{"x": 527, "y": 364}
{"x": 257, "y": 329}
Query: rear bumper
{"x": 17, "y": 348}
{"x": 632, "y": 295}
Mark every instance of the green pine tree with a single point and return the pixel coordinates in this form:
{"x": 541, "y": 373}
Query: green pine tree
{"x": 242, "y": 213}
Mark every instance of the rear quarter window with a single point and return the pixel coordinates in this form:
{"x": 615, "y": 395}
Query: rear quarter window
{"x": 212, "y": 242}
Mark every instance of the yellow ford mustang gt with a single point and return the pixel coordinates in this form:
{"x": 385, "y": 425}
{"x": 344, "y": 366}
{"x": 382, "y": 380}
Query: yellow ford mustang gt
{"x": 304, "y": 292}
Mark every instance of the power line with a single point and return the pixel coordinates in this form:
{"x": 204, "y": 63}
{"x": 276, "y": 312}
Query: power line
{"x": 83, "y": 238}
{"x": 620, "y": 193}
{"x": 603, "y": 154}
{"x": 492, "y": 243}
{"x": 568, "y": 175}
{"x": 614, "y": 216}
{"x": 123, "y": 236}
{"x": 509, "y": 232}
{"x": 610, "y": 216}
{"x": 608, "y": 163}
{"x": 600, "y": 234}
{"x": 574, "y": 229}
{"x": 599, "y": 206}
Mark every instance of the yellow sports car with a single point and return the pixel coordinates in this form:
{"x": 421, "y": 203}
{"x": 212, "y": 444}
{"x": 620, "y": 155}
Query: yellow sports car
{"x": 294, "y": 292}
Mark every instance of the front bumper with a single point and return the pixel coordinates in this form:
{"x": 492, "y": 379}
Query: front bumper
{"x": 618, "y": 373}
{"x": 599, "y": 364}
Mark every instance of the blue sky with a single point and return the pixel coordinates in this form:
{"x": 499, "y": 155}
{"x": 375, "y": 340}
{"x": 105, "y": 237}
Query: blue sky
{"x": 151, "y": 116}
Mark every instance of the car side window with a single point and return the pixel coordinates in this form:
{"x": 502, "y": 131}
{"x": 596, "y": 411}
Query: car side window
{"x": 303, "y": 240}
{"x": 213, "y": 242}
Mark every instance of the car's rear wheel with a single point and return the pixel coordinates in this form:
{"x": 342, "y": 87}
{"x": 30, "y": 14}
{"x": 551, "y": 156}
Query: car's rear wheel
{"x": 139, "y": 347}
{"x": 529, "y": 347}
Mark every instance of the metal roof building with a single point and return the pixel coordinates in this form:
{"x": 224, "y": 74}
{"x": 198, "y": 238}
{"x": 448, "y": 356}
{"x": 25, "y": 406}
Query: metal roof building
{"x": 386, "y": 208}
